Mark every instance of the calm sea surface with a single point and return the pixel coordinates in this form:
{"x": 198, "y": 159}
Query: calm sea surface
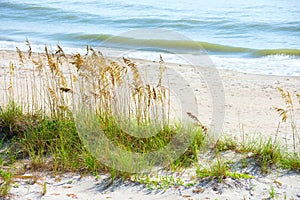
{"x": 257, "y": 36}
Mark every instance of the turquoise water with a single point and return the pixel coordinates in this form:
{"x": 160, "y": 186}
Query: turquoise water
{"x": 236, "y": 34}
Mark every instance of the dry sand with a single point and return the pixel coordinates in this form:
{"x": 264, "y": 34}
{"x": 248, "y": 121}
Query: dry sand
{"x": 248, "y": 108}
{"x": 72, "y": 186}
{"x": 249, "y": 99}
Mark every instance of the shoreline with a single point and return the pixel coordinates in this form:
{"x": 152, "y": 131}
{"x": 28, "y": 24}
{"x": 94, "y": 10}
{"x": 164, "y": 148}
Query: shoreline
{"x": 279, "y": 64}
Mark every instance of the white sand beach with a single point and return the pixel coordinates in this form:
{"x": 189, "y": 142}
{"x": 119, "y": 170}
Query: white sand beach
{"x": 249, "y": 111}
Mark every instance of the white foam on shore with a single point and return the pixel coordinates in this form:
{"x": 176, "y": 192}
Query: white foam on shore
{"x": 282, "y": 65}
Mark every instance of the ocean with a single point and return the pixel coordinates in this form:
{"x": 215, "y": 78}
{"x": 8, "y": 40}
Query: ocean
{"x": 253, "y": 36}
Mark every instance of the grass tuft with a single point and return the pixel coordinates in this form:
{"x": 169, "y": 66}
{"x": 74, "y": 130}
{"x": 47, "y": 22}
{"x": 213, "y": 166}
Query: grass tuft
{"x": 13, "y": 122}
{"x": 220, "y": 171}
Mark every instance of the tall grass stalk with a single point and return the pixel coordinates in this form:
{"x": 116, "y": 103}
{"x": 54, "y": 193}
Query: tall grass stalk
{"x": 289, "y": 112}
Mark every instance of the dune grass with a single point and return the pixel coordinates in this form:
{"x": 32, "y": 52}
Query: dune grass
{"x": 266, "y": 152}
{"x": 37, "y": 121}
{"x": 44, "y": 128}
